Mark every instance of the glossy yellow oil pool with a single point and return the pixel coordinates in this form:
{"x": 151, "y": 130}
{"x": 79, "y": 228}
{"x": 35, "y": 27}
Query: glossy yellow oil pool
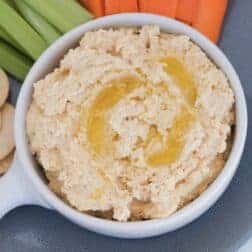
{"x": 183, "y": 79}
{"x": 98, "y": 133}
{"x": 175, "y": 141}
{"x": 100, "y": 136}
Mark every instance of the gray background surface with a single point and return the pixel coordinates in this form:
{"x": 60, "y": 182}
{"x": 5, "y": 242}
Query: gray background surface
{"x": 225, "y": 227}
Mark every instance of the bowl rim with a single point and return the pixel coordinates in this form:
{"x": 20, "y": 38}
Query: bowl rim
{"x": 148, "y": 228}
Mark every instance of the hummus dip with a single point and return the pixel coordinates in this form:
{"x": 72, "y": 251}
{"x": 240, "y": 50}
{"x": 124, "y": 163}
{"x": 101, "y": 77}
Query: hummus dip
{"x": 133, "y": 124}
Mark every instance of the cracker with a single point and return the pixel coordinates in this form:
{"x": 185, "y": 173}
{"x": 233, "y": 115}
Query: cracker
{"x": 4, "y": 87}
{"x": 0, "y": 119}
{"x": 7, "y": 142}
{"x": 6, "y": 163}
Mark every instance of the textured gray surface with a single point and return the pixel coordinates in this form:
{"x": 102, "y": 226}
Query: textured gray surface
{"x": 225, "y": 227}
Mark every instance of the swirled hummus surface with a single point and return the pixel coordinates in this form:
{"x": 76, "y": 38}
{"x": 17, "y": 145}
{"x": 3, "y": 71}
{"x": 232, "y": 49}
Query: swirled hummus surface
{"x": 133, "y": 124}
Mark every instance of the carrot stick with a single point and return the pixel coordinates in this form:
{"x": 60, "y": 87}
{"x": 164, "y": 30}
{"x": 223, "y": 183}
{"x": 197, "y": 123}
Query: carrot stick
{"x": 209, "y": 18}
{"x": 128, "y": 6}
{"x": 85, "y": 2}
{"x": 186, "y": 10}
{"x": 95, "y": 6}
{"x": 112, "y": 7}
{"x": 162, "y": 7}
{"x": 120, "y": 6}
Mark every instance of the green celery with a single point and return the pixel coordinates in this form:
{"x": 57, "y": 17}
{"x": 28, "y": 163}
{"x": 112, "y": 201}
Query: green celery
{"x": 14, "y": 62}
{"x": 78, "y": 13}
{"x": 63, "y": 14}
{"x": 21, "y": 31}
{"x": 10, "y": 3}
{"x": 47, "y": 32}
{"x": 5, "y": 36}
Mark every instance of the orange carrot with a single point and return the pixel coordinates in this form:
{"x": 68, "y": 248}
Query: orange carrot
{"x": 186, "y": 10}
{"x": 209, "y": 17}
{"x": 111, "y": 7}
{"x": 161, "y": 7}
{"x": 95, "y": 6}
{"x": 128, "y": 6}
{"x": 120, "y": 6}
{"x": 84, "y": 2}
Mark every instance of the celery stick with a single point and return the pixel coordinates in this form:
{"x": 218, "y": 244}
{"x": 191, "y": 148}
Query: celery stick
{"x": 62, "y": 23}
{"x": 21, "y": 31}
{"x": 63, "y": 14}
{"x": 78, "y": 13}
{"x": 47, "y": 32}
{"x": 14, "y": 62}
{"x": 5, "y": 36}
{"x": 10, "y": 3}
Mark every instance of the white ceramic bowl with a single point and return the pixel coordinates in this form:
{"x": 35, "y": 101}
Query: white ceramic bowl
{"x": 24, "y": 183}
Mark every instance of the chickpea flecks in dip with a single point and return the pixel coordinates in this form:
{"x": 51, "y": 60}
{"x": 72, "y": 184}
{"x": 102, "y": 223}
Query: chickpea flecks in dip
{"x": 133, "y": 124}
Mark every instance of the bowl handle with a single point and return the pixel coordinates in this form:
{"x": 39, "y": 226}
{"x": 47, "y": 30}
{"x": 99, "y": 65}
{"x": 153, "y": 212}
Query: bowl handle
{"x": 16, "y": 190}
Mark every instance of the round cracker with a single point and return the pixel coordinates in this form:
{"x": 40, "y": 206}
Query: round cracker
{"x": 6, "y": 163}
{"x": 4, "y": 87}
{"x": 7, "y": 142}
{"x": 0, "y": 120}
